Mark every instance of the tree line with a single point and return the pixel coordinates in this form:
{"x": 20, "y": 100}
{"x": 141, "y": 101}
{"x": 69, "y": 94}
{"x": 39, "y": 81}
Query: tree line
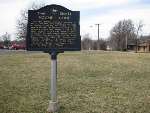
{"x": 5, "y": 40}
{"x": 88, "y": 44}
{"x": 123, "y": 33}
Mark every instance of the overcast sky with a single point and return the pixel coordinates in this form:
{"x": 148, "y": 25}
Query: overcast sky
{"x": 105, "y": 12}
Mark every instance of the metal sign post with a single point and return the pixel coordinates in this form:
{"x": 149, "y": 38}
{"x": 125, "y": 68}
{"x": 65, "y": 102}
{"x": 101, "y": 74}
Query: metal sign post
{"x": 53, "y": 104}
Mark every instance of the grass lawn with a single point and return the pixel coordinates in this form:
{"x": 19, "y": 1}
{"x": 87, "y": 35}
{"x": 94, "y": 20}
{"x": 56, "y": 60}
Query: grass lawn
{"x": 88, "y": 82}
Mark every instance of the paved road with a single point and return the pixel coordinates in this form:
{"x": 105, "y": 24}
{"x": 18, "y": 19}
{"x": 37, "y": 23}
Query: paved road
{"x": 5, "y": 51}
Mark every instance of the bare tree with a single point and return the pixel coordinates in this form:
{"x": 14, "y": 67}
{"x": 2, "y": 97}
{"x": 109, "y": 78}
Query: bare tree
{"x": 120, "y": 34}
{"x": 138, "y": 30}
{"x": 22, "y": 21}
{"x": 89, "y": 44}
{"x": 94, "y": 45}
{"x": 102, "y": 45}
{"x": 86, "y": 42}
{"x": 6, "y": 40}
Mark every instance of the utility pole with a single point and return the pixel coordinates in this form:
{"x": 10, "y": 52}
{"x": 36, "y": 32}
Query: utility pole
{"x": 98, "y": 30}
{"x": 98, "y": 36}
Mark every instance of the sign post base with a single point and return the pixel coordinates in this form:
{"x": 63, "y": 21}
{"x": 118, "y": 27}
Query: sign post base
{"x": 53, "y": 107}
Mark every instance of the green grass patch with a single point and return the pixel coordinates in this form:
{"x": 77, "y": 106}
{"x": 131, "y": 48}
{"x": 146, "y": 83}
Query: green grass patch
{"x": 88, "y": 82}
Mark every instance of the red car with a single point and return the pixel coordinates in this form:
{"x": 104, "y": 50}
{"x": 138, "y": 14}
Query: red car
{"x": 17, "y": 46}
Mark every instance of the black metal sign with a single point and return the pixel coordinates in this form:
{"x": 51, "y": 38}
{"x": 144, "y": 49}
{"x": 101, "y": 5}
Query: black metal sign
{"x": 53, "y": 27}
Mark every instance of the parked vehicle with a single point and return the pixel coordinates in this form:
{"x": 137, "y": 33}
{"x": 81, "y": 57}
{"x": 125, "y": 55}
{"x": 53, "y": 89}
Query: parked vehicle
{"x": 17, "y": 47}
{"x": 1, "y": 47}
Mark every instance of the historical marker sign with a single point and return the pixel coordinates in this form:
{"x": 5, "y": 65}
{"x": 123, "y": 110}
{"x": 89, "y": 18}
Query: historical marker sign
{"x": 53, "y": 27}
